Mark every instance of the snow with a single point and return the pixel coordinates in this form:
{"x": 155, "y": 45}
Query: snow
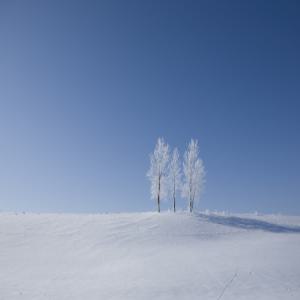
{"x": 149, "y": 256}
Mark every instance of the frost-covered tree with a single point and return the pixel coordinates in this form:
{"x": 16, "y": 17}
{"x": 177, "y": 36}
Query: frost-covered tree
{"x": 157, "y": 173}
{"x": 194, "y": 174}
{"x": 174, "y": 176}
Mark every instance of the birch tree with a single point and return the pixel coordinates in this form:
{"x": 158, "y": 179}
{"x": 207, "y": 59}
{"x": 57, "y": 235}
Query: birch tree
{"x": 157, "y": 173}
{"x": 174, "y": 176}
{"x": 194, "y": 174}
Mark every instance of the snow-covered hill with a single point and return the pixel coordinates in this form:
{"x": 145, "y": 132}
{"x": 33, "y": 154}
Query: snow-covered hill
{"x": 149, "y": 256}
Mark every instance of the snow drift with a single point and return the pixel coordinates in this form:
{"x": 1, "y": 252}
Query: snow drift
{"x": 149, "y": 256}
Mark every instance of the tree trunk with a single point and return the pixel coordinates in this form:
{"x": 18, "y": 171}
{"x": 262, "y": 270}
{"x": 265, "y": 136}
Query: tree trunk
{"x": 191, "y": 206}
{"x": 158, "y": 196}
{"x": 174, "y": 204}
{"x": 158, "y": 203}
{"x": 174, "y": 200}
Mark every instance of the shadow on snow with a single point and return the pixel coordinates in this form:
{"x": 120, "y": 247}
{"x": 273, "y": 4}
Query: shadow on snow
{"x": 251, "y": 224}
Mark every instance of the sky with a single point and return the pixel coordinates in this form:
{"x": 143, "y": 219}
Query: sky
{"x": 87, "y": 87}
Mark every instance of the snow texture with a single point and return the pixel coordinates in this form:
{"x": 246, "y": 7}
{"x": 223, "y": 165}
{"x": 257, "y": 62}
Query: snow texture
{"x": 149, "y": 256}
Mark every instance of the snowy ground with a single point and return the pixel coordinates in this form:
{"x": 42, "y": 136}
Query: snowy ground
{"x": 149, "y": 256}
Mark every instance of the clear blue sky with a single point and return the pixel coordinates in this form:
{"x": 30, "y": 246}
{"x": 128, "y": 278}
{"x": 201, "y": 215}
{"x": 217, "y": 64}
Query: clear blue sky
{"x": 86, "y": 87}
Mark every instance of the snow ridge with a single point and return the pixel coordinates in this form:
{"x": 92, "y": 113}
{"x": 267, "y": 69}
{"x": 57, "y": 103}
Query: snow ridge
{"x": 149, "y": 255}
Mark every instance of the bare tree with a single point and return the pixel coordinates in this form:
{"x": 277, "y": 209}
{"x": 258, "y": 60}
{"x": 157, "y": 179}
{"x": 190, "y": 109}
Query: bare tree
{"x": 174, "y": 176}
{"x": 194, "y": 174}
{"x": 157, "y": 173}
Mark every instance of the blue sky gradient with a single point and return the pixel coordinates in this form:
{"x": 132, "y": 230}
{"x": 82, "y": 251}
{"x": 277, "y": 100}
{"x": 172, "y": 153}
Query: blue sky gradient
{"x": 86, "y": 88}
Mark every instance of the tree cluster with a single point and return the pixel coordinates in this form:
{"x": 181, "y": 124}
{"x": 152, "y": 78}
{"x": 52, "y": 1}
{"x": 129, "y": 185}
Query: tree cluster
{"x": 168, "y": 178}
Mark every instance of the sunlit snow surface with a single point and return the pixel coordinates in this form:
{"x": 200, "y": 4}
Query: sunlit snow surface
{"x": 149, "y": 256}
